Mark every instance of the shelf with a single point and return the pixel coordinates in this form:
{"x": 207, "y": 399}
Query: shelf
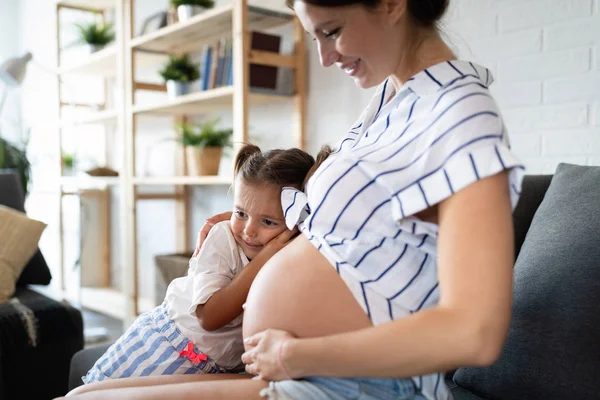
{"x": 206, "y": 101}
{"x": 182, "y": 180}
{"x": 82, "y": 184}
{"x": 206, "y": 27}
{"x": 111, "y": 302}
{"x": 106, "y": 301}
{"x": 88, "y": 4}
{"x": 99, "y": 117}
{"x": 104, "y": 63}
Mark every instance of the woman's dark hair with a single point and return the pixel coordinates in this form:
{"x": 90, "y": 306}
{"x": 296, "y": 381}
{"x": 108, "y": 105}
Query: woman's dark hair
{"x": 290, "y": 167}
{"x": 426, "y": 12}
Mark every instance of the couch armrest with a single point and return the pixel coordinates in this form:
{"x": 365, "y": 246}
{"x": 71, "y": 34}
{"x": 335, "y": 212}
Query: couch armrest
{"x": 81, "y": 363}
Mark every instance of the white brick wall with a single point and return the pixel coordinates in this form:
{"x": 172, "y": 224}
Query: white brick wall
{"x": 545, "y": 55}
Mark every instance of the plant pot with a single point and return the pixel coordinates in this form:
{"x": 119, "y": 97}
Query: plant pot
{"x": 203, "y": 160}
{"x": 187, "y": 11}
{"x": 69, "y": 171}
{"x": 177, "y": 88}
{"x": 92, "y": 48}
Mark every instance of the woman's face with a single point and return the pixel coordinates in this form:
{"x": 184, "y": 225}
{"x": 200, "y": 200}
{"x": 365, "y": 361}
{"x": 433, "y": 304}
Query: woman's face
{"x": 364, "y": 43}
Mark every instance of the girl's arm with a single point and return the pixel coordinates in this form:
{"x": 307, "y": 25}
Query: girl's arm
{"x": 467, "y": 327}
{"x": 226, "y": 304}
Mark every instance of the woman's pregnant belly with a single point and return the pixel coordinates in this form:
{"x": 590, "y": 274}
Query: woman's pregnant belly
{"x": 300, "y": 292}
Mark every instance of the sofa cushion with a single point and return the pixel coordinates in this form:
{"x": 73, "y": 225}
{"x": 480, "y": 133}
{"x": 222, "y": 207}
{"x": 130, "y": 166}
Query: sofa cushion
{"x": 19, "y": 236}
{"x": 36, "y": 272}
{"x": 553, "y": 350}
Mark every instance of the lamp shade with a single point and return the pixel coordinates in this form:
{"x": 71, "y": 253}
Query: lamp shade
{"x": 12, "y": 71}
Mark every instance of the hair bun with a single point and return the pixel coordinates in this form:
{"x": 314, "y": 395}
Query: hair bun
{"x": 427, "y": 12}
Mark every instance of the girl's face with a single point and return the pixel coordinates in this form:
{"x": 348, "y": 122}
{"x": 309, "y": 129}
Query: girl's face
{"x": 257, "y": 216}
{"x": 364, "y": 43}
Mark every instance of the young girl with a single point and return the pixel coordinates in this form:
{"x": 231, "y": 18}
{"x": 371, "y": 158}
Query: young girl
{"x": 198, "y": 327}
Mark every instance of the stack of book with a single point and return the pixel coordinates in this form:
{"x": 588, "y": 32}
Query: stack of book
{"x": 216, "y": 67}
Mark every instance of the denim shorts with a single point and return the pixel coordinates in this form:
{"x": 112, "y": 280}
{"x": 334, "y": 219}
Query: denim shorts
{"x": 322, "y": 388}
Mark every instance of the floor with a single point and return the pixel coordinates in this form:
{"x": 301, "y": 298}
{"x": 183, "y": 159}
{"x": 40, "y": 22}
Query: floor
{"x": 100, "y": 329}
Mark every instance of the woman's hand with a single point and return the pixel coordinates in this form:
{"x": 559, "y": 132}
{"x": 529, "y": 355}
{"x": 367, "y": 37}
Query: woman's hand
{"x": 210, "y": 222}
{"x": 266, "y": 355}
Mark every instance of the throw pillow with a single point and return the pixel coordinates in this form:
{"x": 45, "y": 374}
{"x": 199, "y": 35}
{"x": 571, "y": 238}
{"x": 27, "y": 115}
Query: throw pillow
{"x": 19, "y": 236}
{"x": 553, "y": 347}
{"x": 36, "y": 272}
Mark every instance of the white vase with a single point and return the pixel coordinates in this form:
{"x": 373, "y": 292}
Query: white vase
{"x": 92, "y": 48}
{"x": 177, "y": 88}
{"x": 187, "y": 11}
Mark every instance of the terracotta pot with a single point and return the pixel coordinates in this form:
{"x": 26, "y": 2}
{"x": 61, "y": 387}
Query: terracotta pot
{"x": 203, "y": 160}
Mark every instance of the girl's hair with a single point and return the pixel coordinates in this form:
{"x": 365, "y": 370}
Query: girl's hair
{"x": 292, "y": 167}
{"x": 425, "y": 12}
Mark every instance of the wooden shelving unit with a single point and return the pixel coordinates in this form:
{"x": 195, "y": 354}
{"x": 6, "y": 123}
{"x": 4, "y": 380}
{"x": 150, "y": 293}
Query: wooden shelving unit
{"x": 121, "y": 62}
{"x": 108, "y": 117}
{"x": 207, "y": 101}
{"x": 183, "y": 180}
{"x": 213, "y": 24}
{"x": 101, "y": 65}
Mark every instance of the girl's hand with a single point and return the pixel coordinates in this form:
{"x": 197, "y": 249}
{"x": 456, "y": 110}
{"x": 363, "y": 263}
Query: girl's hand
{"x": 266, "y": 355}
{"x": 210, "y": 222}
{"x": 281, "y": 240}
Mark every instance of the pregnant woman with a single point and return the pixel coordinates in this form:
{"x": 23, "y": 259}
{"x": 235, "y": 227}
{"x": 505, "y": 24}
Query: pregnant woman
{"x": 403, "y": 268}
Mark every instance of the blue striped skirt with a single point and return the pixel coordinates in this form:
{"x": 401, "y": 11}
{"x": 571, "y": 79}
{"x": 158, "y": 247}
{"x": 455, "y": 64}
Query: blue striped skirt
{"x": 153, "y": 345}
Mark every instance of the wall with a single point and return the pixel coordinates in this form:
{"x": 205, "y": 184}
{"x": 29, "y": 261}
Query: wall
{"x": 9, "y": 44}
{"x": 545, "y": 55}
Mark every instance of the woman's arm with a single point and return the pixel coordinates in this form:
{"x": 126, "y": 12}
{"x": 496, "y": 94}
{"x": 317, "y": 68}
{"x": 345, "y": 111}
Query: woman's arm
{"x": 467, "y": 327}
{"x": 226, "y": 304}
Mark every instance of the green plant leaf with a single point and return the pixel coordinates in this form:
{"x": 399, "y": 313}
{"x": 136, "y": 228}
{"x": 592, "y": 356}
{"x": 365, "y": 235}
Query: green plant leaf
{"x": 202, "y": 3}
{"x": 180, "y": 69}
{"x": 98, "y": 34}
{"x": 14, "y": 158}
{"x": 204, "y": 134}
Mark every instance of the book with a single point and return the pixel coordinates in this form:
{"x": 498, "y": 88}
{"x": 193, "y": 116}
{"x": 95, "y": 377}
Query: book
{"x": 213, "y": 66}
{"x": 261, "y": 76}
{"x": 264, "y": 76}
{"x": 206, "y": 66}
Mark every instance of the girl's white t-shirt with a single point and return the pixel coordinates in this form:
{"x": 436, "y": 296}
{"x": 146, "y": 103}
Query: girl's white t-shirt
{"x": 219, "y": 261}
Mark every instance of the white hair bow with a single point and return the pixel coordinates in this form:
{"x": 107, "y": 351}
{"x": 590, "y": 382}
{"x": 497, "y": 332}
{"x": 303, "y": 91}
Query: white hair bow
{"x": 295, "y": 206}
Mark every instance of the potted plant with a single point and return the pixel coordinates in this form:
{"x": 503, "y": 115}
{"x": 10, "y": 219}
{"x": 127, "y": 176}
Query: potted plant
{"x": 95, "y": 35}
{"x": 186, "y": 9}
{"x": 14, "y": 158}
{"x": 204, "y": 145}
{"x": 68, "y": 164}
{"x": 179, "y": 73}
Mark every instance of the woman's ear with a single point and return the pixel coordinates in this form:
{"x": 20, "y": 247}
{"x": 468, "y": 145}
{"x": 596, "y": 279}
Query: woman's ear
{"x": 395, "y": 10}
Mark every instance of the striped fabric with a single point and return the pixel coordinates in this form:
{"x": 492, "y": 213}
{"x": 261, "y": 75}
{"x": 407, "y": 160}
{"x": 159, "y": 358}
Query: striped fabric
{"x": 151, "y": 346}
{"x": 409, "y": 150}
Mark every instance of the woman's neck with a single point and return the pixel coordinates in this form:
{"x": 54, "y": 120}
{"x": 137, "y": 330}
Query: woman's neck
{"x": 430, "y": 51}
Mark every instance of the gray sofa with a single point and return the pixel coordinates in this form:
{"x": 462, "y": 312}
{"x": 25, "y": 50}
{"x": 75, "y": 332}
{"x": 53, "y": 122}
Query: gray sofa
{"x": 34, "y": 364}
{"x": 553, "y": 346}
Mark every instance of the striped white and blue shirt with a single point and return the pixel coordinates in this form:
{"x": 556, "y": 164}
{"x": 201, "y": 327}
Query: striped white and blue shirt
{"x": 408, "y": 151}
